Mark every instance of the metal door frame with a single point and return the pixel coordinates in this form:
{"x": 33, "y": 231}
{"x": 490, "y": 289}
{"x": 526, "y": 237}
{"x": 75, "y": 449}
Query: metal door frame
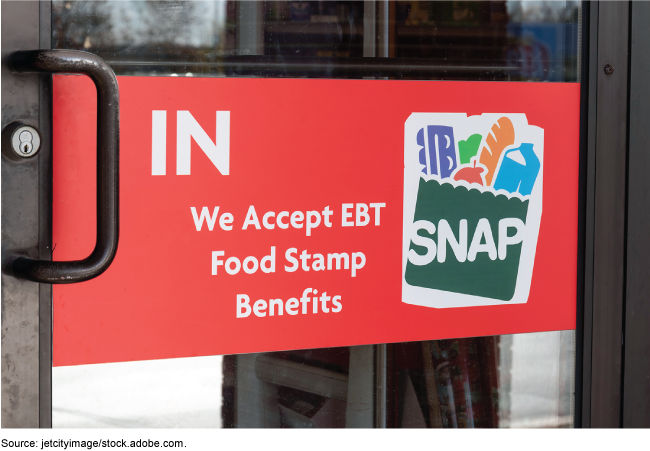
{"x": 604, "y": 149}
{"x": 613, "y": 340}
{"x": 26, "y": 226}
{"x": 636, "y": 346}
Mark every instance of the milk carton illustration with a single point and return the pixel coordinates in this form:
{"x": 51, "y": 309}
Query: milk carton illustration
{"x": 472, "y": 208}
{"x": 518, "y": 170}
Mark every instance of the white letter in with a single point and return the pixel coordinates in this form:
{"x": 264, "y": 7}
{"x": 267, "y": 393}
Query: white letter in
{"x": 504, "y": 239}
{"x": 357, "y": 265}
{"x": 225, "y": 220}
{"x": 243, "y": 302}
{"x": 326, "y": 216}
{"x": 304, "y": 300}
{"x": 205, "y": 215}
{"x": 377, "y": 207}
{"x": 343, "y": 256}
{"x": 296, "y": 219}
{"x": 346, "y": 215}
{"x": 290, "y": 259}
{"x": 215, "y": 261}
{"x": 271, "y": 260}
{"x": 259, "y": 308}
{"x": 362, "y": 212}
{"x": 158, "y": 142}
{"x": 446, "y": 235}
{"x": 419, "y": 240}
{"x": 247, "y": 269}
{"x": 251, "y": 218}
{"x": 337, "y": 305}
{"x": 188, "y": 128}
{"x": 229, "y": 269}
{"x": 312, "y": 224}
{"x": 275, "y": 303}
{"x": 282, "y": 225}
{"x": 265, "y": 220}
{"x": 483, "y": 229}
{"x": 291, "y": 306}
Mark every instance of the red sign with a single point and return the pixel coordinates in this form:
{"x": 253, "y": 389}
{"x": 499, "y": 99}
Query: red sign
{"x": 272, "y": 214}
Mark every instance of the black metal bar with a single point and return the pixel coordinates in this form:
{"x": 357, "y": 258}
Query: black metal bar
{"x": 45, "y": 192}
{"x": 108, "y": 126}
{"x": 19, "y": 383}
{"x": 636, "y": 349}
{"x": 588, "y": 81}
{"x": 258, "y": 65}
{"x": 609, "y": 215}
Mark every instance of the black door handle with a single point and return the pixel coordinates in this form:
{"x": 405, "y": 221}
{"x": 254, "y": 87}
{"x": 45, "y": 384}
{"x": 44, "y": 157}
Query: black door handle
{"x": 108, "y": 145}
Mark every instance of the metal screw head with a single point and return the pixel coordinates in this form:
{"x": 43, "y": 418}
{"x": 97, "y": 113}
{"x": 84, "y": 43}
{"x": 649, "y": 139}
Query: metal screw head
{"x": 609, "y": 69}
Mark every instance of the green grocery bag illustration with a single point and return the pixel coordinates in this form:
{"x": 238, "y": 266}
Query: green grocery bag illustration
{"x": 472, "y": 208}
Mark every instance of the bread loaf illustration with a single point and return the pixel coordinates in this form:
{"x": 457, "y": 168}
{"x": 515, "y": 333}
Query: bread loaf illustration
{"x": 501, "y": 136}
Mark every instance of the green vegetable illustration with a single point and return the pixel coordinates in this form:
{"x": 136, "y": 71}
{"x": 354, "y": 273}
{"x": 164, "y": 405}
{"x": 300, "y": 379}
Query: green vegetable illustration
{"x": 468, "y": 149}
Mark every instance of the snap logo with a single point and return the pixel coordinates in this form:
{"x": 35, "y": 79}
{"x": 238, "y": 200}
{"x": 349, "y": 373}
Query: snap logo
{"x": 187, "y": 127}
{"x": 472, "y": 208}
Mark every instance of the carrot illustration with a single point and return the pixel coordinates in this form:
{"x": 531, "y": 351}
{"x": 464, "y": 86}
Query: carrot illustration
{"x": 500, "y": 136}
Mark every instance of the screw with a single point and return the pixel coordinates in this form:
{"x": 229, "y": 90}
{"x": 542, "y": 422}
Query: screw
{"x": 609, "y": 69}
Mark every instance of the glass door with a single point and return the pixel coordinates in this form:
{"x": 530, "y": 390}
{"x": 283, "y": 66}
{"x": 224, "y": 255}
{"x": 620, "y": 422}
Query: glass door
{"x": 516, "y": 380}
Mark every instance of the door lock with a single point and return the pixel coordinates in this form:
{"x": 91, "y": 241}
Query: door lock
{"x": 20, "y": 141}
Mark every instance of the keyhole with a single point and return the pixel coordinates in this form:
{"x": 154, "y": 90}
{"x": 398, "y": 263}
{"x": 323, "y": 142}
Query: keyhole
{"x": 26, "y": 146}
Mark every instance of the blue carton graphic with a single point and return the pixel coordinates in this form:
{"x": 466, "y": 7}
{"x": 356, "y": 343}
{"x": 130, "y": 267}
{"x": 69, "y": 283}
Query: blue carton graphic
{"x": 518, "y": 170}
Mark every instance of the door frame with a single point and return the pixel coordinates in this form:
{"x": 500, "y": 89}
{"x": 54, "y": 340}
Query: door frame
{"x": 612, "y": 336}
{"x": 26, "y": 226}
{"x": 603, "y": 143}
{"x": 636, "y": 345}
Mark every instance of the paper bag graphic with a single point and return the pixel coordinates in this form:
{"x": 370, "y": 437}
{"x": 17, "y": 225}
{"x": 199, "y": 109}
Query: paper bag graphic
{"x": 470, "y": 232}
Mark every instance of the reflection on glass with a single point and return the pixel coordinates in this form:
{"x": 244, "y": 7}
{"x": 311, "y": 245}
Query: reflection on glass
{"x": 473, "y": 40}
{"x": 484, "y": 382}
{"x": 137, "y": 28}
{"x": 523, "y": 380}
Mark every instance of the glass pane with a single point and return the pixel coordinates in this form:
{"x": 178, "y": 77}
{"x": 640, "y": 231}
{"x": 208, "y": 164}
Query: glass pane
{"x": 146, "y": 394}
{"x": 520, "y": 380}
{"x": 475, "y": 40}
{"x": 524, "y": 380}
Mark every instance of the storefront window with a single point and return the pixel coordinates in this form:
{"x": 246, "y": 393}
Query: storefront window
{"x": 498, "y": 40}
{"x": 523, "y": 380}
